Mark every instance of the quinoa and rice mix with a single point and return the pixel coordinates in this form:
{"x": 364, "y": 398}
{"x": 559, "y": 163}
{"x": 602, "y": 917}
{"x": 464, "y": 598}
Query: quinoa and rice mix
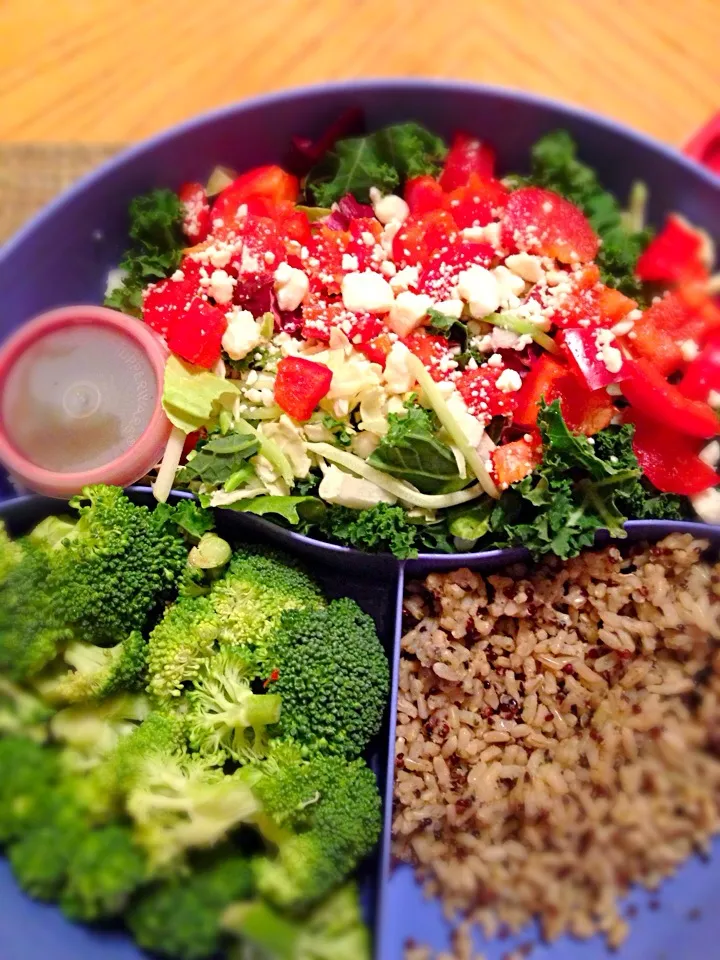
{"x": 559, "y": 735}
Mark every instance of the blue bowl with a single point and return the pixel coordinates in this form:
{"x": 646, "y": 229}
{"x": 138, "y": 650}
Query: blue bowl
{"x": 63, "y": 257}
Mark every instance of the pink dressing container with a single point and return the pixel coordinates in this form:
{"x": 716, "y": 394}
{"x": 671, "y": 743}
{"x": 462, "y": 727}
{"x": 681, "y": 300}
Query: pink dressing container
{"x": 80, "y": 400}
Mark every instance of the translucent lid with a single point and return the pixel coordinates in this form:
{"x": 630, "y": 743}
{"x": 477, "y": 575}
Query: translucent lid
{"x": 80, "y": 392}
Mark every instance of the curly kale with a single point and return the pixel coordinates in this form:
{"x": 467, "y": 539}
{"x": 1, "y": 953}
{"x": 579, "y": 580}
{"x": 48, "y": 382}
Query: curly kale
{"x": 384, "y": 528}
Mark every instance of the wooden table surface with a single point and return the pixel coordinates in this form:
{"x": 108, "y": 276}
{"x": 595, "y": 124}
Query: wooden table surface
{"x": 109, "y": 71}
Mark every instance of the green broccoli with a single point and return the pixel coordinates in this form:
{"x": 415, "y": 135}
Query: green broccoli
{"x": 182, "y": 917}
{"x": 323, "y": 816}
{"x": 22, "y": 713}
{"x": 11, "y": 553}
{"x": 104, "y": 871}
{"x": 332, "y": 931}
{"x": 179, "y": 803}
{"x": 259, "y": 585}
{"x": 333, "y": 677}
{"x": 96, "y": 672}
{"x": 116, "y": 568}
{"x": 225, "y": 719}
{"x": 179, "y": 644}
{"x": 51, "y": 532}
{"x": 91, "y": 731}
{"x": 28, "y": 771}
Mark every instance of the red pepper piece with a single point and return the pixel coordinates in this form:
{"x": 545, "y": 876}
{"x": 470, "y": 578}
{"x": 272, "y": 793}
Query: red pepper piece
{"x": 674, "y": 255}
{"x": 650, "y": 394}
{"x": 324, "y": 265}
{"x": 434, "y": 352}
{"x": 613, "y": 305}
{"x": 540, "y": 221}
{"x": 300, "y": 385}
{"x": 441, "y": 272}
{"x": 257, "y": 256}
{"x": 480, "y": 202}
{"x": 423, "y": 194}
{"x": 196, "y": 217}
{"x": 164, "y": 302}
{"x": 365, "y": 235}
{"x": 420, "y": 235}
{"x": 575, "y": 301}
{"x": 514, "y": 461}
{"x": 670, "y": 459}
{"x": 483, "y": 397}
{"x": 686, "y": 313}
{"x": 197, "y": 332}
{"x": 584, "y": 410}
{"x": 467, "y": 155}
{"x": 377, "y": 349}
{"x": 262, "y": 188}
{"x": 703, "y": 373}
{"x": 584, "y": 349}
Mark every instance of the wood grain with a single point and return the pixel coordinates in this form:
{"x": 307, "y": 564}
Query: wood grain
{"x": 118, "y": 70}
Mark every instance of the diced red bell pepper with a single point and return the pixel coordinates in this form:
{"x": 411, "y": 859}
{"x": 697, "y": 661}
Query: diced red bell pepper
{"x": 478, "y": 203}
{"x": 324, "y": 265}
{"x": 670, "y": 459}
{"x": 420, "y": 235}
{"x": 589, "y": 357}
{"x": 483, "y": 397}
{"x": 377, "y": 349}
{"x": 514, "y": 461}
{"x": 271, "y": 182}
{"x": 294, "y": 225}
{"x": 257, "y": 257}
{"x": 540, "y": 221}
{"x": 441, "y": 271}
{"x": 366, "y": 328}
{"x": 423, "y": 194}
{"x": 196, "y": 215}
{"x": 674, "y": 255}
{"x": 365, "y": 235}
{"x": 196, "y": 333}
{"x": 648, "y": 392}
{"x": 191, "y": 440}
{"x": 300, "y": 385}
{"x": 703, "y": 373}
{"x": 613, "y": 305}
{"x": 467, "y": 155}
{"x": 682, "y": 314}
{"x": 164, "y": 302}
{"x": 575, "y": 301}
{"x": 433, "y": 350}
{"x": 584, "y": 410}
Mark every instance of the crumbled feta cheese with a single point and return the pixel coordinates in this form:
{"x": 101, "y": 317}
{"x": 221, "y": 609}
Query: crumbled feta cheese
{"x": 349, "y": 262}
{"x": 449, "y": 308}
{"x": 398, "y": 378}
{"x": 479, "y": 288}
{"x": 707, "y": 505}
{"x": 178, "y": 276}
{"x": 526, "y": 266}
{"x": 509, "y": 381}
{"x": 407, "y": 312}
{"x": 613, "y": 390}
{"x": 623, "y": 326}
{"x": 511, "y": 286}
{"x": 367, "y": 291}
{"x": 689, "y": 349}
{"x": 490, "y": 233}
{"x": 634, "y": 315}
{"x": 610, "y": 355}
{"x": 291, "y": 286}
{"x": 388, "y": 235}
{"x": 349, "y": 491}
{"x": 249, "y": 263}
{"x": 221, "y": 286}
{"x": 405, "y": 278}
{"x": 242, "y": 334}
{"x": 269, "y": 257}
{"x": 710, "y": 454}
{"x": 714, "y": 399}
{"x": 388, "y": 268}
{"x": 495, "y": 360}
{"x": 388, "y": 208}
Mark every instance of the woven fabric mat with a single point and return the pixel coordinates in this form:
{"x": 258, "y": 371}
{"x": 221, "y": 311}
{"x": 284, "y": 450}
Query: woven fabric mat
{"x": 31, "y": 174}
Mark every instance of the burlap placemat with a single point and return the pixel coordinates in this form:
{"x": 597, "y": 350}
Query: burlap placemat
{"x": 31, "y": 174}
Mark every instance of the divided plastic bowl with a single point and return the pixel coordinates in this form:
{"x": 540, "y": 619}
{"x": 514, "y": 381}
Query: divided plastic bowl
{"x": 63, "y": 257}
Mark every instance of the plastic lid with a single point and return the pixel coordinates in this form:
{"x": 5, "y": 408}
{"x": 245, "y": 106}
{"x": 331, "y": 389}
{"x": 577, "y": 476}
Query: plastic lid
{"x": 80, "y": 400}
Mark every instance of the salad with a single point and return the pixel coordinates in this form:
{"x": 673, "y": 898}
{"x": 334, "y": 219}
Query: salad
{"x": 394, "y": 345}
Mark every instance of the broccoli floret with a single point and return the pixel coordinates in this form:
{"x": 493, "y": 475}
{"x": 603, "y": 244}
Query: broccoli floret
{"x": 179, "y": 803}
{"x": 259, "y": 585}
{"x": 117, "y": 567}
{"x": 104, "y": 871}
{"x": 332, "y": 674}
{"x": 91, "y": 731}
{"x": 21, "y": 712}
{"x": 31, "y": 631}
{"x": 96, "y": 672}
{"x": 11, "y": 553}
{"x": 51, "y": 531}
{"x": 226, "y": 720}
{"x": 182, "y": 918}
{"x": 28, "y": 772}
{"x": 179, "y": 644}
{"x": 333, "y": 931}
{"x": 324, "y": 817}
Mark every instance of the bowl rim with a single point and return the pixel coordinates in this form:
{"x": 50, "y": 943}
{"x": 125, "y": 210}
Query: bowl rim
{"x": 387, "y": 84}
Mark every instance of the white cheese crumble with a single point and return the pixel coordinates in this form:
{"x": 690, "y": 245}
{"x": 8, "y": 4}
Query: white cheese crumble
{"x": 291, "y": 286}
{"x": 707, "y": 505}
{"x": 479, "y": 288}
{"x": 714, "y": 399}
{"x": 511, "y": 286}
{"x": 349, "y": 262}
{"x": 495, "y": 360}
{"x": 242, "y": 334}
{"x": 689, "y": 349}
{"x": 449, "y": 308}
{"x": 509, "y": 381}
{"x": 367, "y": 291}
{"x": 407, "y": 312}
{"x": 388, "y": 268}
{"x": 388, "y": 208}
{"x": 220, "y": 286}
{"x": 610, "y": 355}
{"x": 398, "y": 378}
{"x": 405, "y": 278}
{"x": 490, "y": 233}
{"x": 623, "y": 326}
{"x": 526, "y": 266}
{"x": 710, "y": 454}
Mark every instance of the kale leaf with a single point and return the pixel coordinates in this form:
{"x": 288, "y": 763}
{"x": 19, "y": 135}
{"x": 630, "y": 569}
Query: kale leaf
{"x": 384, "y": 159}
{"x": 555, "y": 166}
{"x": 156, "y": 250}
{"x": 385, "y": 528}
